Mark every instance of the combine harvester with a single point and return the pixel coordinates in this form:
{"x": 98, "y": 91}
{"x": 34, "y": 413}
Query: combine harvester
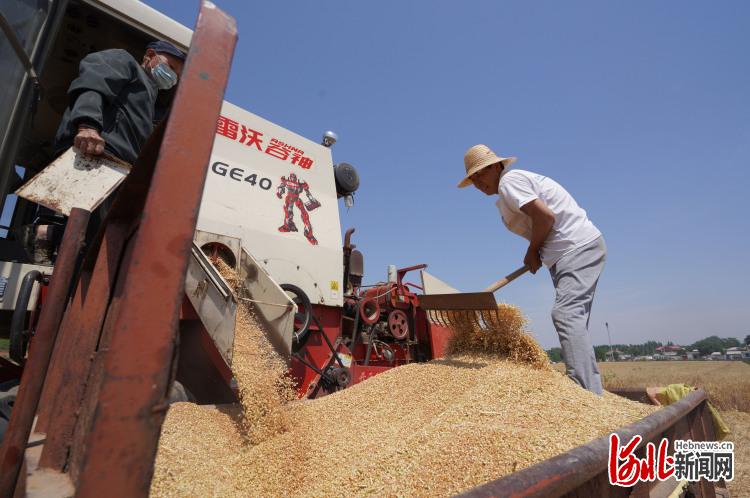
{"x": 146, "y": 310}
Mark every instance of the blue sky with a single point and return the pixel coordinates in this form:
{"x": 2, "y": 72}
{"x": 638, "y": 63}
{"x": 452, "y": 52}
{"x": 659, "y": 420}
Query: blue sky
{"x": 640, "y": 109}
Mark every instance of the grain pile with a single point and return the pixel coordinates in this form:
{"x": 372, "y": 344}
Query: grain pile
{"x": 504, "y": 335}
{"x": 429, "y": 429}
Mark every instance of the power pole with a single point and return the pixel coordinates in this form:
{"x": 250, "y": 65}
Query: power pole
{"x": 611, "y": 353}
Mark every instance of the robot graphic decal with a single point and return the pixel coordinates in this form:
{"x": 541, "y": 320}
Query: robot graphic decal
{"x": 293, "y": 187}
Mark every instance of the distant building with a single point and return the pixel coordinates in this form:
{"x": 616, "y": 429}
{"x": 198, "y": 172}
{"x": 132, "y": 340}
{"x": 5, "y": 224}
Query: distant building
{"x": 738, "y": 353}
{"x": 693, "y": 355}
{"x": 670, "y": 355}
{"x": 675, "y": 348}
{"x": 716, "y": 355}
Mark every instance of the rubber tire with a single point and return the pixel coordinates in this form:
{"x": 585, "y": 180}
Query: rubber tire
{"x": 301, "y": 334}
{"x": 19, "y": 338}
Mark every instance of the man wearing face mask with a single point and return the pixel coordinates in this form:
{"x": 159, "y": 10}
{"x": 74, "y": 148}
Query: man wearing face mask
{"x": 112, "y": 110}
{"x": 112, "y": 100}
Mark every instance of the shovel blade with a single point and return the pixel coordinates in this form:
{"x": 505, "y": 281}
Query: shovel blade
{"x": 75, "y": 180}
{"x": 464, "y": 301}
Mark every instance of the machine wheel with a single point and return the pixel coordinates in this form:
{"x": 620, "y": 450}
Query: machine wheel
{"x": 303, "y": 315}
{"x": 398, "y": 325}
{"x": 342, "y": 376}
{"x": 369, "y": 310}
{"x": 19, "y": 335}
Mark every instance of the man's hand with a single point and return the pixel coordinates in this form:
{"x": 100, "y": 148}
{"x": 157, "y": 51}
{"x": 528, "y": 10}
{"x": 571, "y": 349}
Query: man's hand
{"x": 533, "y": 259}
{"x": 542, "y": 221}
{"x": 88, "y": 141}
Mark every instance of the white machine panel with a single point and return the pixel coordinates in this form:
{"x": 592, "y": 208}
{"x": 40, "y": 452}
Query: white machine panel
{"x": 252, "y": 158}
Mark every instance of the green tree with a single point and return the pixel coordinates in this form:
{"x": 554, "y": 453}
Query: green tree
{"x": 747, "y": 339}
{"x": 708, "y": 345}
{"x": 649, "y": 348}
{"x": 715, "y": 343}
{"x": 601, "y": 352}
{"x": 730, "y": 342}
{"x": 555, "y": 354}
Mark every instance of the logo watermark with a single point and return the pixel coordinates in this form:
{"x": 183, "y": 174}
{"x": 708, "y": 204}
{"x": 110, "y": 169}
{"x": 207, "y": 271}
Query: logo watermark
{"x": 691, "y": 460}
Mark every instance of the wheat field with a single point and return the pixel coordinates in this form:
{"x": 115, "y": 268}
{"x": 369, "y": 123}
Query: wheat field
{"x": 726, "y": 382}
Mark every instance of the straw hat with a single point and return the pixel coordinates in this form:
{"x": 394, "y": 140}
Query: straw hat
{"x": 479, "y": 157}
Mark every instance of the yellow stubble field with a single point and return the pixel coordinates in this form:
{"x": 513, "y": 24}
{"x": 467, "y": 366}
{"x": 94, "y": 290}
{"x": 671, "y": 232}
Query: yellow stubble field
{"x": 726, "y": 382}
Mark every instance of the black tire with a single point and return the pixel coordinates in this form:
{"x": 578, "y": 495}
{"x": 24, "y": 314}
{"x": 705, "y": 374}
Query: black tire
{"x": 19, "y": 336}
{"x": 305, "y": 318}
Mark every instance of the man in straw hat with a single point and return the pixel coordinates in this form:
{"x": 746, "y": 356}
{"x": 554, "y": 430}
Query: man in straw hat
{"x": 561, "y": 237}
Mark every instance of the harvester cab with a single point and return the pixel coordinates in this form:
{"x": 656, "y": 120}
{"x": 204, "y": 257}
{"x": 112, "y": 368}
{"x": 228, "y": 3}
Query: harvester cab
{"x": 269, "y": 213}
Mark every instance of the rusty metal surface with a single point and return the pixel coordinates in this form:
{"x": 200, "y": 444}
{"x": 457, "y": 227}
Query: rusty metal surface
{"x": 35, "y": 370}
{"x": 121, "y": 444}
{"x": 638, "y": 394}
{"x": 44, "y": 482}
{"x": 578, "y": 472}
{"x": 89, "y": 405}
{"x": 99, "y": 300}
{"x": 76, "y": 343}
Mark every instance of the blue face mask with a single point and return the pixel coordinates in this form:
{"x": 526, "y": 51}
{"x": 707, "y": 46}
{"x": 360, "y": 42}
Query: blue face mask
{"x": 164, "y": 76}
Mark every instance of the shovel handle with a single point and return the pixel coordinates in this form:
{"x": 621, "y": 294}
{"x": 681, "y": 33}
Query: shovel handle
{"x": 507, "y": 279}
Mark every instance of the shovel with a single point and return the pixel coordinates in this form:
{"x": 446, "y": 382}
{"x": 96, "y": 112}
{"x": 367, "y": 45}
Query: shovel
{"x": 449, "y": 308}
{"x": 75, "y": 180}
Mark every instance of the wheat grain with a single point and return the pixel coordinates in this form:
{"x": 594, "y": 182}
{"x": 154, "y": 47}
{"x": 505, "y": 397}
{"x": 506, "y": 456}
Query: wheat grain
{"x": 423, "y": 429}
